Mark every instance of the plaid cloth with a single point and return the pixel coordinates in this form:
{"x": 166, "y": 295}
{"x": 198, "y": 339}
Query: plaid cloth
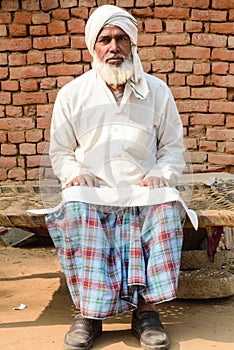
{"x": 113, "y": 256}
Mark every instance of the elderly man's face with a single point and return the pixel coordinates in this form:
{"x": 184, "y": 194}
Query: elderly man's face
{"x": 113, "y": 45}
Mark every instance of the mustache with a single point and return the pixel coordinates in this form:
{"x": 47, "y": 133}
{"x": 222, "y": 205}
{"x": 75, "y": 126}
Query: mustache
{"x": 109, "y": 57}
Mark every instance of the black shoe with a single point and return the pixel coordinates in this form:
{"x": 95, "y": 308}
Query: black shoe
{"x": 148, "y": 328}
{"x": 82, "y": 333}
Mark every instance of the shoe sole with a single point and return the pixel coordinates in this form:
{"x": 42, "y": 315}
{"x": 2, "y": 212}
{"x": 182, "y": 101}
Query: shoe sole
{"x": 136, "y": 334}
{"x": 97, "y": 335}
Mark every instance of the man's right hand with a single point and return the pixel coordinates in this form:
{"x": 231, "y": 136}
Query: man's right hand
{"x": 84, "y": 180}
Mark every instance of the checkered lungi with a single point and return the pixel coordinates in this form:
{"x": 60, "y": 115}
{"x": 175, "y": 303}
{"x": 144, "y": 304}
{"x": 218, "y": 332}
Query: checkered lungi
{"x": 113, "y": 256}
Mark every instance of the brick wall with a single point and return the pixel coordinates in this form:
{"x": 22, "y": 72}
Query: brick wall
{"x": 187, "y": 43}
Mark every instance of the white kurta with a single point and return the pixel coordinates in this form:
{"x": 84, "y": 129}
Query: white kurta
{"x": 119, "y": 144}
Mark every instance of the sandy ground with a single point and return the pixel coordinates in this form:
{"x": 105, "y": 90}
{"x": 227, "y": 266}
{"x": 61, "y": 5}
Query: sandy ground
{"x": 33, "y": 276}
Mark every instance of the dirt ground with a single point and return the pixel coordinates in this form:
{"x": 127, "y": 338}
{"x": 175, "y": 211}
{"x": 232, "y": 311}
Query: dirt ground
{"x": 32, "y": 276}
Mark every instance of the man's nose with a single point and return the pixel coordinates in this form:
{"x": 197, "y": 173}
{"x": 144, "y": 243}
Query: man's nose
{"x": 114, "y": 47}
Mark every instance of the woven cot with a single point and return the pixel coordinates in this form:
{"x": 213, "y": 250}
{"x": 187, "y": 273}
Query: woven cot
{"x": 214, "y": 204}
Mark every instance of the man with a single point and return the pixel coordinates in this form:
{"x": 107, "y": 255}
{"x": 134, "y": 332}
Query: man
{"x": 116, "y": 146}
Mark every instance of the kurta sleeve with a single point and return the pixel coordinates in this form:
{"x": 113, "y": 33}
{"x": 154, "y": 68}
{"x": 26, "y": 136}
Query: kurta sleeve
{"x": 170, "y": 147}
{"x": 63, "y": 142}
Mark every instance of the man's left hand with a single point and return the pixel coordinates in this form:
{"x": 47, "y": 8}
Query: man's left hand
{"x": 154, "y": 182}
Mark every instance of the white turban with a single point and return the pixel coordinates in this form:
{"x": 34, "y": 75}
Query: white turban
{"x": 113, "y": 15}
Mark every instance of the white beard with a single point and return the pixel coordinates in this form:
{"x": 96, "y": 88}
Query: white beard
{"x": 113, "y": 75}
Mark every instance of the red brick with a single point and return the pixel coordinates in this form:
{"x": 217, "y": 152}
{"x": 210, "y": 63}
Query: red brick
{"x": 30, "y": 110}
{"x": 5, "y": 17}
{"x": 33, "y": 161}
{"x": 212, "y": 40}
{"x": 34, "y": 135}
{"x": 146, "y": 40}
{"x": 3, "y": 137}
{"x": 29, "y": 98}
{"x": 47, "y": 135}
{"x": 42, "y": 147}
{"x": 27, "y": 72}
{"x": 231, "y": 42}
{"x": 34, "y": 174}
{"x": 9, "y": 150}
{"x": 23, "y": 44}
{"x": 16, "y": 136}
{"x": 172, "y": 39}
{"x": 209, "y": 93}
{"x": 221, "y": 159}
{"x": 183, "y": 65}
{"x": 227, "y": 80}
{"x": 29, "y": 85}
{"x": 78, "y": 42}
{"x": 40, "y": 18}
{"x": 145, "y": 12}
{"x": 209, "y": 15}
{"x": 61, "y": 14}
{"x": 192, "y": 3}
{"x": 221, "y": 107}
{"x": 49, "y": 4}
{"x": 231, "y": 15}
{"x": 161, "y": 66}
{"x": 161, "y": 76}
{"x": 142, "y": 3}
{"x": 180, "y": 92}
{"x": 193, "y": 52}
{"x": 3, "y": 175}
{"x": 10, "y": 85}
{"x": 69, "y": 3}
{"x": 80, "y": 12}
{"x": 7, "y": 162}
{"x": 156, "y": 53}
{"x": 23, "y": 17}
{"x": 18, "y": 30}
{"x": 50, "y": 42}
{"x": 3, "y": 59}
{"x": 230, "y": 147}
{"x": 30, "y": 5}
{"x": 17, "y": 59}
{"x": 230, "y": 121}
{"x": 220, "y": 134}
{"x": 146, "y": 67}
{"x": 222, "y": 28}
{"x": 201, "y": 68}
{"x": 52, "y": 96}
{"x": 198, "y": 131}
{"x": 63, "y": 69}
{"x": 190, "y": 143}
{"x": 207, "y": 119}
{"x": 192, "y": 106}
{"x": 195, "y": 80}
{"x": 64, "y": 80}
{"x": 17, "y": 174}
{"x": 76, "y": 26}
{"x": 163, "y": 2}
{"x": 171, "y": 12}
{"x": 13, "y": 111}
{"x": 72, "y": 56}
{"x": 174, "y": 26}
{"x": 222, "y": 4}
{"x": 193, "y": 27}
{"x": 35, "y": 56}
{"x": 40, "y": 30}
{"x": 3, "y": 30}
{"x": 86, "y": 57}
{"x": 153, "y": 25}
{"x": 44, "y": 110}
{"x": 27, "y": 148}
{"x": 2, "y": 111}
{"x": 43, "y": 122}
{"x": 54, "y": 56}
{"x": 220, "y": 67}
{"x": 209, "y": 146}
{"x": 222, "y": 55}
{"x": 3, "y": 73}
{"x": 48, "y": 83}
{"x": 5, "y": 98}
{"x": 198, "y": 157}
{"x": 19, "y": 124}
{"x": 56, "y": 27}
{"x": 124, "y": 3}
{"x": 176, "y": 79}
{"x": 231, "y": 68}
{"x": 10, "y": 5}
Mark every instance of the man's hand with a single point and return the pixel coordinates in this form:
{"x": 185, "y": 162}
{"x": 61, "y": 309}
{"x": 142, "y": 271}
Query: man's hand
{"x": 154, "y": 182}
{"x": 84, "y": 180}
